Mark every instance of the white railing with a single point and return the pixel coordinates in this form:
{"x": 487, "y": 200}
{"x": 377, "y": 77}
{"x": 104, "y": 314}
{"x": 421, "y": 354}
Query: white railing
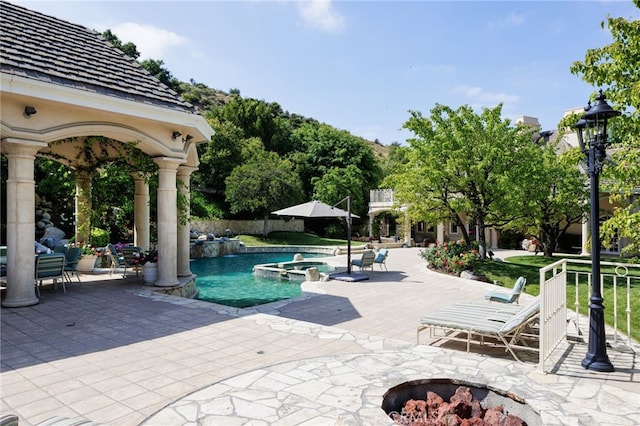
{"x": 554, "y": 305}
{"x": 381, "y": 196}
{"x": 553, "y": 309}
{"x": 620, "y": 282}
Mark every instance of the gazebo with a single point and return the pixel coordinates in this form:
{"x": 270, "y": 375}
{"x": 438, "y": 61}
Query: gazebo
{"x": 65, "y": 88}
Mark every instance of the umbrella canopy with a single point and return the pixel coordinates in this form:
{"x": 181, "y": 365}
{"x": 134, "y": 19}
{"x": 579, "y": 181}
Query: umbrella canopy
{"x": 313, "y": 209}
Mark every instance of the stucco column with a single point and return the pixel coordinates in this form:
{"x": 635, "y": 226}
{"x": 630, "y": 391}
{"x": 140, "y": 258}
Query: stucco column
{"x": 83, "y": 206}
{"x": 167, "y": 222}
{"x": 21, "y": 223}
{"x": 407, "y": 228}
{"x": 440, "y": 233}
{"x": 141, "y": 212}
{"x": 184, "y": 240}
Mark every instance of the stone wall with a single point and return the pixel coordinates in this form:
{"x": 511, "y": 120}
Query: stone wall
{"x": 215, "y": 248}
{"x": 247, "y": 227}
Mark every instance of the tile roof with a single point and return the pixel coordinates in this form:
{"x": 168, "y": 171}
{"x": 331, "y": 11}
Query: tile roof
{"x": 51, "y": 50}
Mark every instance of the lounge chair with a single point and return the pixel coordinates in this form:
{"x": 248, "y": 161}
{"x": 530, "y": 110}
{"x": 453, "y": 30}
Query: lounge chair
{"x": 72, "y": 256}
{"x": 509, "y": 326}
{"x": 117, "y": 261}
{"x": 366, "y": 261}
{"x": 50, "y": 267}
{"x": 381, "y": 258}
{"x": 129, "y": 255}
{"x": 514, "y": 296}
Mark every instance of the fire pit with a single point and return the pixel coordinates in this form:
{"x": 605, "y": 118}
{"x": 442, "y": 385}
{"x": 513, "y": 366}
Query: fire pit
{"x": 395, "y": 398}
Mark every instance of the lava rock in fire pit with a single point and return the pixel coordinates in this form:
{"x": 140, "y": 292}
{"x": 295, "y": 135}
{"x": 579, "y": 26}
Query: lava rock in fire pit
{"x": 461, "y": 410}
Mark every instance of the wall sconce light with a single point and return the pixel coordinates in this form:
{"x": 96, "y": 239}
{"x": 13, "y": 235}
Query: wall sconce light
{"x": 187, "y": 138}
{"x": 176, "y": 134}
{"x": 29, "y": 111}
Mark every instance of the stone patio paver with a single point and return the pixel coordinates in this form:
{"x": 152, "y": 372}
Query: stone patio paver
{"x": 115, "y": 352}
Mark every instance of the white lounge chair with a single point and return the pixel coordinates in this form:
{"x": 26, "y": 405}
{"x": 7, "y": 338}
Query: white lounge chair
{"x": 510, "y": 326}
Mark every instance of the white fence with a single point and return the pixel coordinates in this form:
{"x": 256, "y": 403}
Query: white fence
{"x": 553, "y": 309}
{"x": 554, "y": 304}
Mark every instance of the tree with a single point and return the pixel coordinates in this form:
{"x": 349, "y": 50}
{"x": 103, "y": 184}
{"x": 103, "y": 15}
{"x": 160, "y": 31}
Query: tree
{"x": 558, "y": 196}
{"x": 324, "y": 148}
{"x": 129, "y": 48}
{"x": 462, "y": 163}
{"x": 337, "y": 183}
{"x": 617, "y": 67}
{"x": 258, "y": 119}
{"x": 263, "y": 184}
{"x": 156, "y": 68}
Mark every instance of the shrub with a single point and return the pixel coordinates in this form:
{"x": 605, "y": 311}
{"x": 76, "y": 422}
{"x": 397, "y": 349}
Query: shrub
{"x": 451, "y": 257}
{"x": 99, "y": 237}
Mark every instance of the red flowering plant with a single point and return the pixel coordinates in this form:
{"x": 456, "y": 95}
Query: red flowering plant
{"x": 451, "y": 257}
{"x": 145, "y": 257}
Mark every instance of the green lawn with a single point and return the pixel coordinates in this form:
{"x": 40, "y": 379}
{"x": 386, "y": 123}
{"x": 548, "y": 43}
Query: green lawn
{"x": 507, "y": 272}
{"x": 290, "y": 239}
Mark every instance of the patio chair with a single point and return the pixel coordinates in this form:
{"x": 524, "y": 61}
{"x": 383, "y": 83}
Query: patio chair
{"x": 366, "y": 261}
{"x": 381, "y": 258}
{"x": 72, "y": 256}
{"x": 129, "y": 255}
{"x": 509, "y": 327}
{"x": 50, "y": 267}
{"x": 514, "y": 296}
{"x": 117, "y": 261}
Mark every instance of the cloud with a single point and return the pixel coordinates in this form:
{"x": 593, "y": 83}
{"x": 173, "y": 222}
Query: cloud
{"x": 152, "y": 42}
{"x": 321, "y": 15}
{"x": 512, "y": 20}
{"x": 480, "y": 96}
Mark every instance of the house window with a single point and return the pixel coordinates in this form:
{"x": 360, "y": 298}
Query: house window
{"x": 421, "y": 226}
{"x": 453, "y": 228}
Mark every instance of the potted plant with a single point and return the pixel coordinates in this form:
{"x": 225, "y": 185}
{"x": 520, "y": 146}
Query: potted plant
{"x": 89, "y": 256}
{"x": 149, "y": 262}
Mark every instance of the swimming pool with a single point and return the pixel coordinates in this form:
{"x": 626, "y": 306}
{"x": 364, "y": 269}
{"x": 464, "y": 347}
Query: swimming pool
{"x": 229, "y": 280}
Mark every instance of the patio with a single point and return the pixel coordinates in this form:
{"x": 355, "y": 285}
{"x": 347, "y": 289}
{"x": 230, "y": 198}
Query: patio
{"x": 114, "y": 352}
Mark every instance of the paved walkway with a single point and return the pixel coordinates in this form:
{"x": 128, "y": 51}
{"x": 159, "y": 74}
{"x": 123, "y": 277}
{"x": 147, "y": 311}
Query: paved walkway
{"x": 114, "y": 352}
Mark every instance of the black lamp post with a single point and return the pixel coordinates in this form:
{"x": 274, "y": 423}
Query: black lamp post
{"x": 594, "y": 124}
{"x": 348, "y": 219}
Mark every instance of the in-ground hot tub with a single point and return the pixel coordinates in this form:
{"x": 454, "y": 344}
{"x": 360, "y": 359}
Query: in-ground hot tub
{"x": 396, "y": 397}
{"x": 294, "y": 270}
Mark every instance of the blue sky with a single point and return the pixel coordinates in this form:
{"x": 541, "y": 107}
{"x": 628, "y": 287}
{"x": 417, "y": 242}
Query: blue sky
{"x": 362, "y": 65}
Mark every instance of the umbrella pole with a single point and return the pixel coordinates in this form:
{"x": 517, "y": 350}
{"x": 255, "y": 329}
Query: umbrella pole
{"x": 349, "y": 235}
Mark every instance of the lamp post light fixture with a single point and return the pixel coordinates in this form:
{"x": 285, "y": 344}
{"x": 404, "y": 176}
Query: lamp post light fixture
{"x": 591, "y": 130}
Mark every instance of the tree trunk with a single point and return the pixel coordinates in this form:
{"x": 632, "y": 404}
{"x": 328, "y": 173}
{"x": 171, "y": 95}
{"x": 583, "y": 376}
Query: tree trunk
{"x": 265, "y": 226}
{"x": 482, "y": 240}
{"x": 549, "y": 240}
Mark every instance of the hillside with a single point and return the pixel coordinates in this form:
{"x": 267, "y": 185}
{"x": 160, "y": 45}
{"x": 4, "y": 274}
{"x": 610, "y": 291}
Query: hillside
{"x": 205, "y": 98}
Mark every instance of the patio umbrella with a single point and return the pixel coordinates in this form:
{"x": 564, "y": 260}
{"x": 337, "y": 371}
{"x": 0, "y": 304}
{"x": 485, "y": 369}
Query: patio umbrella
{"x": 318, "y": 209}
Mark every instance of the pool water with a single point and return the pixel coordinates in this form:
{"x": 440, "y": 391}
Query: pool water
{"x": 229, "y": 280}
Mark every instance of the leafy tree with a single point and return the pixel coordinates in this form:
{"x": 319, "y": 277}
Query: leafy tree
{"x": 263, "y": 184}
{"x": 258, "y": 119}
{"x": 129, "y": 48}
{"x": 558, "y": 197}
{"x": 617, "y": 67}
{"x": 337, "y": 183}
{"x": 464, "y": 163}
{"x": 396, "y": 159}
{"x": 219, "y": 157}
{"x": 324, "y": 148}
{"x": 156, "y": 68}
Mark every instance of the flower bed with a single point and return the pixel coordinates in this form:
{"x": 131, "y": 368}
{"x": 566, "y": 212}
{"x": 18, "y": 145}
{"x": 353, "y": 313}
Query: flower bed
{"x": 451, "y": 257}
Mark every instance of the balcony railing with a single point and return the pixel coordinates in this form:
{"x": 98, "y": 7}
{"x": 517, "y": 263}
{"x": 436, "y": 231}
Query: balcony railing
{"x": 384, "y": 196}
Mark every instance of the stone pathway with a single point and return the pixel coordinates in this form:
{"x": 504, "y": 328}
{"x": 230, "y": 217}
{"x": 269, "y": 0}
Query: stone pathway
{"x": 115, "y": 352}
